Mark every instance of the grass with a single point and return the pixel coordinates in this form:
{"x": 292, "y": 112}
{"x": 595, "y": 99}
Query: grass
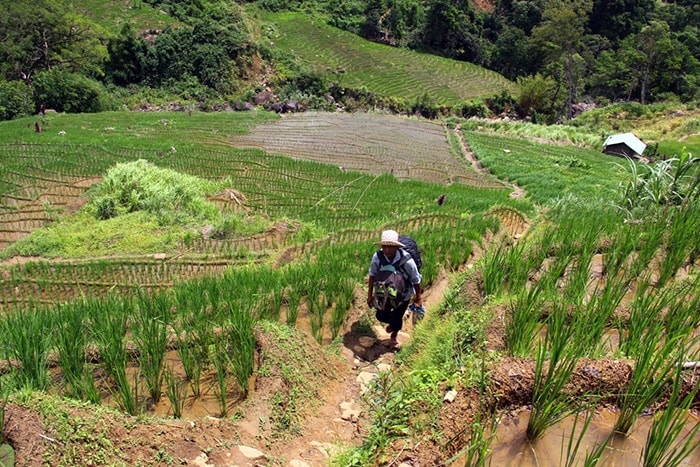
{"x": 112, "y": 16}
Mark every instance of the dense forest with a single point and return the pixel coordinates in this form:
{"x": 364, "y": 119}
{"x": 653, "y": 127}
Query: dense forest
{"x": 60, "y": 54}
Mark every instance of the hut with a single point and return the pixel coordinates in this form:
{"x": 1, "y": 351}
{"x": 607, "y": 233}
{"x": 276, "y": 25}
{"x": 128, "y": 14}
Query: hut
{"x": 624, "y": 145}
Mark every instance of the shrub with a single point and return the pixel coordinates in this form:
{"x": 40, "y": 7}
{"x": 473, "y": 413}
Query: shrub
{"x": 69, "y": 92}
{"x": 15, "y": 100}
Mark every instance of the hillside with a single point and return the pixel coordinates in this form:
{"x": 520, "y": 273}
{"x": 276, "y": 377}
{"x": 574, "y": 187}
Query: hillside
{"x": 385, "y": 70}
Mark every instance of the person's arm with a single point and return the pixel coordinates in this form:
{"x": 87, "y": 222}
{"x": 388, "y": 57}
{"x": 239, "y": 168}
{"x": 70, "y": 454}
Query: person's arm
{"x": 419, "y": 295}
{"x": 370, "y": 284}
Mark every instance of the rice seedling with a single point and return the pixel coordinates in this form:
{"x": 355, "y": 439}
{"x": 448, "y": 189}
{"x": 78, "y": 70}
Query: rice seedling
{"x": 591, "y": 323}
{"x": 70, "y": 344}
{"x": 191, "y": 357}
{"x": 493, "y": 270}
{"x": 241, "y": 343}
{"x": 343, "y": 301}
{"x": 549, "y": 403}
{"x": 150, "y": 333}
{"x": 573, "y": 441}
{"x": 176, "y": 390}
{"x": 681, "y": 317}
{"x": 28, "y": 340}
{"x": 684, "y": 223}
{"x": 221, "y": 360}
{"x": 644, "y": 311}
{"x": 665, "y": 444}
{"x": 523, "y": 321}
{"x": 649, "y": 376}
{"x": 127, "y": 392}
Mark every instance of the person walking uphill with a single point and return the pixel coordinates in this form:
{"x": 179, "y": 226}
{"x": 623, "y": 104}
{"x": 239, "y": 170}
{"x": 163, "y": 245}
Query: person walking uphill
{"x": 393, "y": 280}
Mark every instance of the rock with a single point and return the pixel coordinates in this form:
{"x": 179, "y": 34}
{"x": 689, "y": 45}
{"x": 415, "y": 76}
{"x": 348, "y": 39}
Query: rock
{"x": 365, "y": 378}
{"x": 350, "y": 411}
{"x": 366, "y": 341}
{"x": 298, "y": 463}
{"x": 201, "y": 461}
{"x": 384, "y": 367}
{"x": 251, "y": 453}
{"x": 450, "y": 396}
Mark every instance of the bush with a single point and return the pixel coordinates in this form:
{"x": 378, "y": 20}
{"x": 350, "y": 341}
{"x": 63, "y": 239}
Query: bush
{"x": 472, "y": 108}
{"x": 69, "y": 92}
{"x": 15, "y": 100}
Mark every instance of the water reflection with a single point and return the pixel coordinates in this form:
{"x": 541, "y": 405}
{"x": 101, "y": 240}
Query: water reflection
{"x": 511, "y": 448}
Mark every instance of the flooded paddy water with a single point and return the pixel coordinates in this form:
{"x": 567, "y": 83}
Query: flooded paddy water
{"x": 510, "y": 447}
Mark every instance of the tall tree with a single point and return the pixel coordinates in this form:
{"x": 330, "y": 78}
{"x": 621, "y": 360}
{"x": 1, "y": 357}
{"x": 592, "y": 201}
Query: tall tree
{"x": 560, "y": 35}
{"x": 451, "y": 28}
{"x": 650, "y": 47}
{"x": 617, "y": 19}
{"x": 44, "y": 34}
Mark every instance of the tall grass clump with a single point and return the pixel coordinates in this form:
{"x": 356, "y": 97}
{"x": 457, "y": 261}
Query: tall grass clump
{"x": 150, "y": 334}
{"x": 172, "y": 197}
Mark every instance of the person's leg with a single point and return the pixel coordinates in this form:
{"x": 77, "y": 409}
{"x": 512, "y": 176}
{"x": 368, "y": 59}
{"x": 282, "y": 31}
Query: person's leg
{"x": 396, "y": 322}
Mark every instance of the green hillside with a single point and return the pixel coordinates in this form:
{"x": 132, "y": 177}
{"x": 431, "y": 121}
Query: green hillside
{"x": 379, "y": 68}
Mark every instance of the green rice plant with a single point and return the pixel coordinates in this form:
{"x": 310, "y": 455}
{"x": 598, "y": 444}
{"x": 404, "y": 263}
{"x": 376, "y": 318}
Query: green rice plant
{"x": 317, "y": 312}
{"x": 176, "y": 391}
{"x": 590, "y": 324}
{"x": 221, "y": 360}
{"x": 623, "y": 243}
{"x": 681, "y": 317}
{"x": 128, "y": 392}
{"x": 493, "y": 270}
{"x": 150, "y": 334}
{"x": 684, "y": 223}
{"x": 653, "y": 233}
{"x": 241, "y": 345}
{"x": 191, "y": 357}
{"x": 665, "y": 445}
{"x": 573, "y": 441}
{"x": 27, "y": 338}
{"x": 70, "y": 344}
{"x": 522, "y": 322}
{"x": 649, "y": 377}
{"x": 549, "y": 403}
{"x": 343, "y": 302}
{"x": 645, "y": 313}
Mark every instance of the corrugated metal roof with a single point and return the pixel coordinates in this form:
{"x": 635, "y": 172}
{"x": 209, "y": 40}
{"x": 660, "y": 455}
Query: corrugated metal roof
{"x": 628, "y": 139}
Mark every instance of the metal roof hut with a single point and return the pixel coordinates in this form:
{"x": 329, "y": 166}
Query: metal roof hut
{"x": 624, "y": 145}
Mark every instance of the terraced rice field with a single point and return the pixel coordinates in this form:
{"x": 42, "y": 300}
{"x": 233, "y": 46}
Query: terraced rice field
{"x": 379, "y": 68}
{"x": 407, "y": 148}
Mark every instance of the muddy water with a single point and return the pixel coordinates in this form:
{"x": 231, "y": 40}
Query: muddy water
{"x": 510, "y": 447}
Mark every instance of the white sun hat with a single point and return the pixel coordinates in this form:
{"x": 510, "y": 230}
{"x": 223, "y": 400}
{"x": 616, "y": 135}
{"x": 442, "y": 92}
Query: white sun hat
{"x": 390, "y": 238}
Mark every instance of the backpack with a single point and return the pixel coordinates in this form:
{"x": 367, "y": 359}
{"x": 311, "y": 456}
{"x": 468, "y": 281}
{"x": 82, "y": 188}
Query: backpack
{"x": 389, "y": 284}
{"x": 411, "y": 247}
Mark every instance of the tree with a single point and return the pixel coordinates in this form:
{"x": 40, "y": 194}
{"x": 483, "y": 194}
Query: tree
{"x": 127, "y": 57}
{"x": 617, "y": 19}
{"x": 648, "y": 49}
{"x": 560, "y": 35}
{"x": 451, "y": 28}
{"x": 45, "y": 34}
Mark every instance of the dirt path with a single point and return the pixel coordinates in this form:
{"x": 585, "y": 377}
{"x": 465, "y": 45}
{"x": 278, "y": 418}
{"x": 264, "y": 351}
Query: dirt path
{"x": 517, "y": 192}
